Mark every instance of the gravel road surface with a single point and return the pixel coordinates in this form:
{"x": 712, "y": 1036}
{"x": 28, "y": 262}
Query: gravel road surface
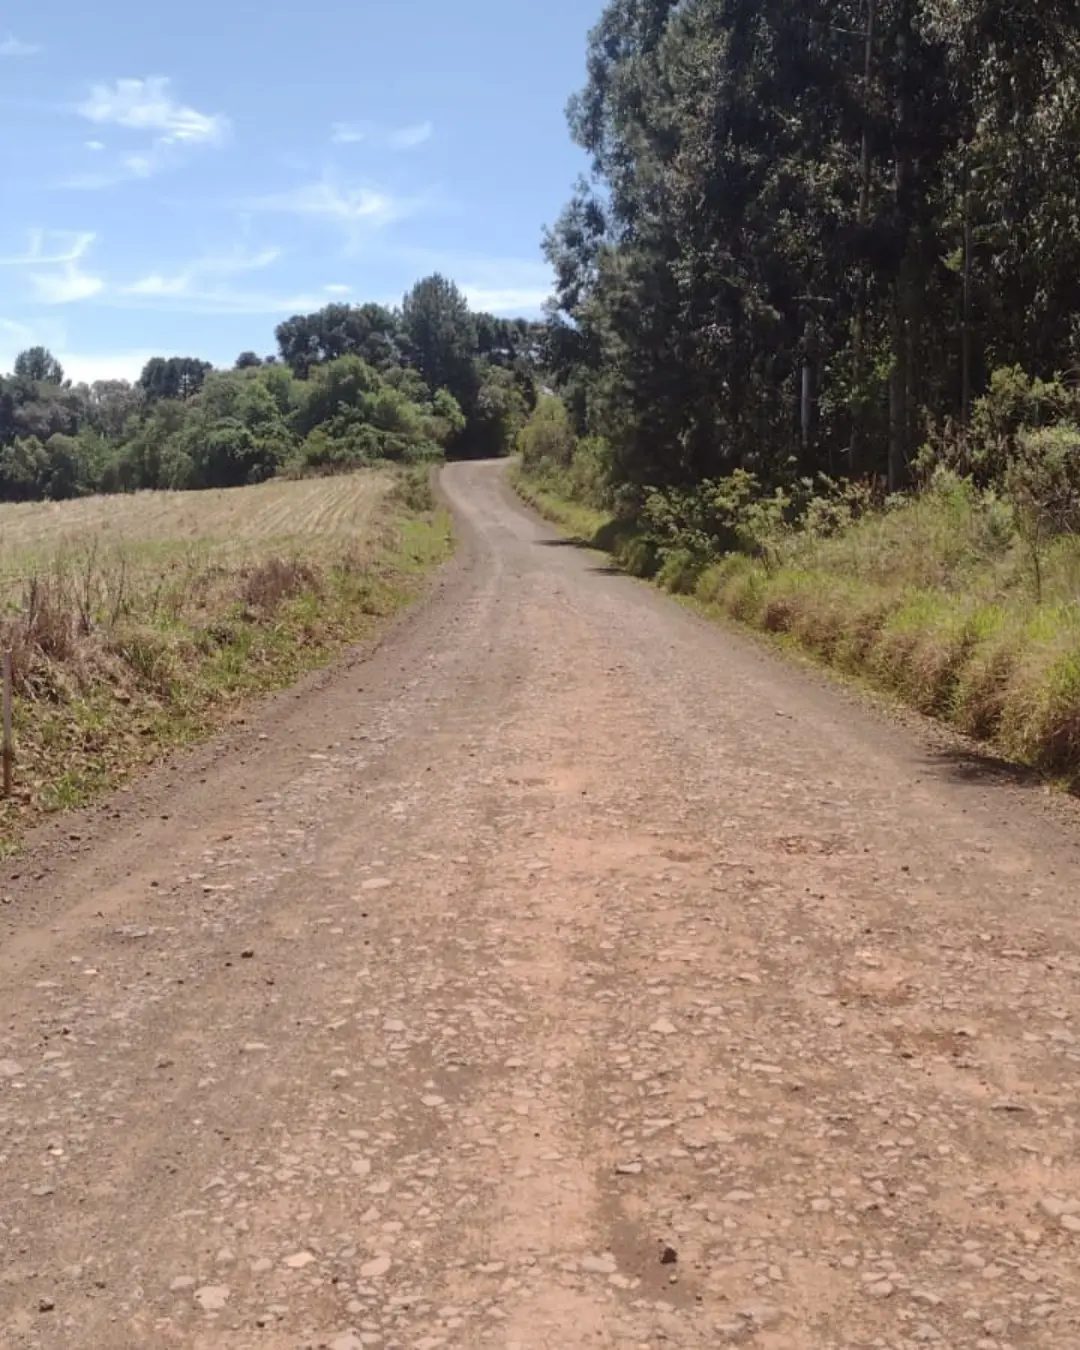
{"x": 567, "y": 973}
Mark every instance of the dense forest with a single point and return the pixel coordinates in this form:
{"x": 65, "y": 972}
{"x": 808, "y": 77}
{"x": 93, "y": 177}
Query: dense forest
{"x": 815, "y": 230}
{"x": 348, "y": 385}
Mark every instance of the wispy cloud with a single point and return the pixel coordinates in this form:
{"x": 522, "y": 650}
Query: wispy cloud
{"x": 81, "y": 367}
{"x": 191, "y": 280}
{"x": 221, "y": 299}
{"x": 358, "y": 211}
{"x": 44, "y": 330}
{"x": 66, "y": 286}
{"x": 44, "y": 247}
{"x": 381, "y": 138}
{"x": 205, "y": 286}
{"x": 11, "y": 46}
{"x": 325, "y": 198}
{"x": 21, "y": 333}
{"x": 508, "y": 286}
{"x": 86, "y": 367}
{"x": 61, "y": 250}
{"x": 513, "y": 300}
{"x": 347, "y": 133}
{"x": 146, "y": 106}
{"x": 408, "y": 138}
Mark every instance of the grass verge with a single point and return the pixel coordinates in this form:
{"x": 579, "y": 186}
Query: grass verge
{"x": 928, "y": 602}
{"x": 132, "y": 638}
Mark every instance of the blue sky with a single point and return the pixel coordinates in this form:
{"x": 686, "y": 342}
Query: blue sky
{"x": 177, "y": 182}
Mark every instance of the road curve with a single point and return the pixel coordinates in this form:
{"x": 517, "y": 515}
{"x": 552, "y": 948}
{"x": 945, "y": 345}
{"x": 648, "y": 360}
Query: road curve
{"x": 570, "y": 973}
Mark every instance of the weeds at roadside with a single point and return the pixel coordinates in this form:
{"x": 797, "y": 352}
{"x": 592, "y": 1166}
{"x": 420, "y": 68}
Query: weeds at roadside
{"x": 931, "y": 601}
{"x": 122, "y": 653}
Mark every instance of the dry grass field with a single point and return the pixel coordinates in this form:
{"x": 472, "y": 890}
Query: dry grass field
{"x": 139, "y": 622}
{"x": 229, "y": 524}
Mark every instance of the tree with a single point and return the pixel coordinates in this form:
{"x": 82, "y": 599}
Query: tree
{"x": 60, "y": 477}
{"x": 369, "y": 331}
{"x": 350, "y": 387}
{"x": 175, "y": 377}
{"x": 39, "y": 364}
{"x": 22, "y": 470}
{"x": 812, "y": 225}
{"x": 228, "y": 455}
{"x": 149, "y": 457}
{"x": 109, "y": 406}
{"x": 441, "y": 336}
{"x": 499, "y": 414}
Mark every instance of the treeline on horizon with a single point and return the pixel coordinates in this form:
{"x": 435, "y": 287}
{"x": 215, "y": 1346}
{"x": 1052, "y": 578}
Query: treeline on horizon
{"x": 348, "y": 386}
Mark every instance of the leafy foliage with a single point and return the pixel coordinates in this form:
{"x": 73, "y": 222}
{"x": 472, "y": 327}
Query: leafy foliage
{"x": 813, "y": 228}
{"x": 354, "y": 385}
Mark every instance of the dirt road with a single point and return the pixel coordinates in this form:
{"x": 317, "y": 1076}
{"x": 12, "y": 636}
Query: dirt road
{"x": 568, "y": 974}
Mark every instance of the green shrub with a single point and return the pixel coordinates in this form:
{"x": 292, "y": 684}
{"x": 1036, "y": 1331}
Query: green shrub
{"x": 413, "y": 489}
{"x": 547, "y": 439}
{"x": 679, "y": 571}
{"x": 638, "y": 556}
{"x": 1043, "y": 481}
{"x": 1040, "y": 718}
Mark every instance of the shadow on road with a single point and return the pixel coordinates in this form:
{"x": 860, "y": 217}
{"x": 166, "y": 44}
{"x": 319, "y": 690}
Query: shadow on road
{"x": 982, "y": 768}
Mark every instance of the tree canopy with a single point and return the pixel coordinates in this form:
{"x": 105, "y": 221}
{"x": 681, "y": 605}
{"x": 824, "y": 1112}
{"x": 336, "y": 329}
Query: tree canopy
{"x": 349, "y": 385}
{"x": 812, "y": 227}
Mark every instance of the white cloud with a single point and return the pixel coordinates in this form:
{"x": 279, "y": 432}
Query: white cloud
{"x": 348, "y": 205}
{"x": 148, "y": 105}
{"x": 163, "y": 293}
{"x": 142, "y": 166}
{"x": 66, "y": 286}
{"x": 519, "y": 300}
{"x": 358, "y": 212}
{"x": 204, "y": 287}
{"x": 336, "y": 288}
{"x": 381, "y": 138}
{"x": 22, "y": 333}
{"x": 343, "y": 133}
{"x": 513, "y": 286}
{"x": 60, "y": 249}
{"x": 145, "y": 106}
{"x": 156, "y": 284}
{"x": 86, "y": 367}
{"x": 44, "y": 330}
{"x": 11, "y": 46}
{"x": 190, "y": 281}
{"x": 50, "y": 246}
{"x": 408, "y": 138}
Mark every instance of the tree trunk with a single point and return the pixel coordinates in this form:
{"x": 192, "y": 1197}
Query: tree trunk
{"x": 899, "y": 377}
{"x": 858, "y": 364}
{"x": 904, "y": 288}
{"x": 965, "y": 332}
{"x": 806, "y": 411}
